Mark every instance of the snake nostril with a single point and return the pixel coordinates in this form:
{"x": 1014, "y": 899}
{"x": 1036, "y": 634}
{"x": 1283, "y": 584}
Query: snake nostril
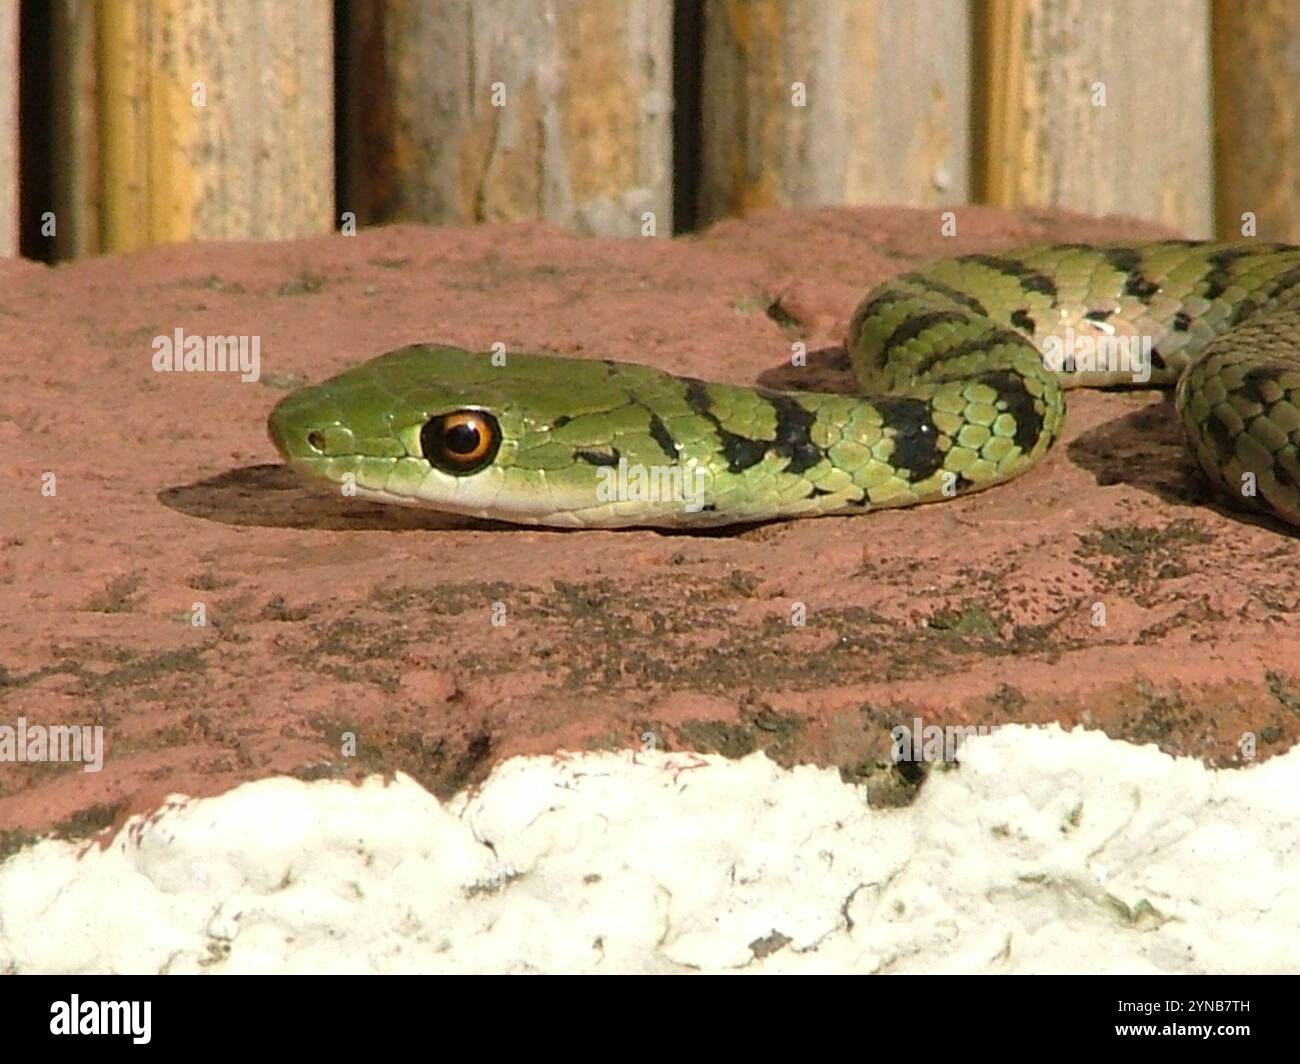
{"x": 317, "y": 440}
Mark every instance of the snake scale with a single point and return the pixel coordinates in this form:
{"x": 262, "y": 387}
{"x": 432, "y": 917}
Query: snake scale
{"x": 962, "y": 364}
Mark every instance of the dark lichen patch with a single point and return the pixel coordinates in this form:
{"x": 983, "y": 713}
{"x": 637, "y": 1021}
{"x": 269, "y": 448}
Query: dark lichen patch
{"x": 1126, "y": 541}
{"x": 1188, "y": 613}
{"x": 130, "y": 670}
{"x": 586, "y": 600}
{"x": 1285, "y": 691}
{"x": 620, "y": 645}
{"x": 27, "y": 774}
{"x": 470, "y": 766}
{"x": 209, "y": 580}
{"x": 89, "y": 821}
{"x": 139, "y": 670}
{"x": 889, "y": 784}
{"x": 387, "y": 680}
{"x": 759, "y": 728}
{"x": 449, "y": 599}
{"x": 13, "y": 681}
{"x": 1138, "y": 556}
{"x": 1168, "y": 717}
{"x": 969, "y": 622}
{"x": 357, "y": 638}
{"x": 213, "y": 283}
{"x": 192, "y": 728}
{"x": 613, "y": 741}
{"x": 1156, "y": 717}
{"x": 651, "y": 735}
{"x": 83, "y": 824}
{"x": 781, "y": 725}
{"x": 1227, "y": 725}
{"x": 278, "y": 610}
{"x": 11, "y": 841}
{"x": 718, "y": 737}
{"x": 436, "y": 762}
{"x": 116, "y": 596}
{"x": 320, "y": 770}
{"x": 305, "y": 283}
{"x": 366, "y": 749}
{"x": 577, "y": 640}
{"x": 604, "y": 635}
{"x": 967, "y": 628}
{"x": 1010, "y": 699}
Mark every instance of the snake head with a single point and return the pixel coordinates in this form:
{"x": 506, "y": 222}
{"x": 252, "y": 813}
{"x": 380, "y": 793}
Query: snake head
{"x": 526, "y": 438}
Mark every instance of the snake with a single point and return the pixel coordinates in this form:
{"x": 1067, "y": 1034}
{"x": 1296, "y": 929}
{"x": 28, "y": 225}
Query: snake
{"x": 962, "y": 367}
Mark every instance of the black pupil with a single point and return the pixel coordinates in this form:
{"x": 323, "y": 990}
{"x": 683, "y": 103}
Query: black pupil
{"x": 460, "y": 442}
{"x": 462, "y": 438}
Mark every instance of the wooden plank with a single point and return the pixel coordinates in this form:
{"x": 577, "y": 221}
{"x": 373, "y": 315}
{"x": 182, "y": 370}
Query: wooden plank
{"x": 1101, "y": 108}
{"x": 75, "y": 177}
{"x": 462, "y": 112}
{"x": 885, "y": 117}
{"x": 216, "y": 120}
{"x": 1257, "y": 117}
{"x": 9, "y": 220}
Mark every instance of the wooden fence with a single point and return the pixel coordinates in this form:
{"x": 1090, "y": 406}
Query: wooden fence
{"x": 125, "y": 123}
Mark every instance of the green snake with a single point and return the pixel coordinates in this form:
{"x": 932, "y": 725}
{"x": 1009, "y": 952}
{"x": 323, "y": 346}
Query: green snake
{"x": 962, "y": 364}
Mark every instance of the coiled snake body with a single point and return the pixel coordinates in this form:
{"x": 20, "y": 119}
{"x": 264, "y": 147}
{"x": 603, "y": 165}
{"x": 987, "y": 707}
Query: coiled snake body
{"x": 962, "y": 366}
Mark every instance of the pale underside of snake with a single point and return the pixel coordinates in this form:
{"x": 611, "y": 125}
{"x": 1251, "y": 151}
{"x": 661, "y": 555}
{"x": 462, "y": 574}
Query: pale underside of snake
{"x": 962, "y": 365}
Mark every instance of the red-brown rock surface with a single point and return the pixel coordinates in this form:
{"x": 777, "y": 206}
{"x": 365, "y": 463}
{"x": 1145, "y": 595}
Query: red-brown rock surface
{"x": 327, "y": 616}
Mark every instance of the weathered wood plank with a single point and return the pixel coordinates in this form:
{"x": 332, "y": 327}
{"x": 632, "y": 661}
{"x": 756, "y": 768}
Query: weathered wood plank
{"x": 884, "y": 118}
{"x": 216, "y": 120}
{"x": 75, "y": 179}
{"x": 1103, "y": 108}
{"x": 462, "y": 112}
{"x": 9, "y": 221}
{"x": 1257, "y": 117}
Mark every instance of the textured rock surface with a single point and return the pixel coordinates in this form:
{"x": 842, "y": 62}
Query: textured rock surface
{"x": 328, "y": 616}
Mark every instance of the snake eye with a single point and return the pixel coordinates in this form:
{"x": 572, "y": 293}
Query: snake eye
{"x": 461, "y": 442}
